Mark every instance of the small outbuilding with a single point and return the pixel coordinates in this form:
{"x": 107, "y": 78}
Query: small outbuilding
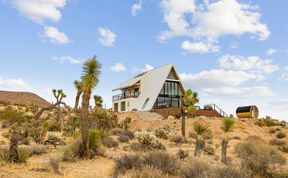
{"x": 247, "y": 112}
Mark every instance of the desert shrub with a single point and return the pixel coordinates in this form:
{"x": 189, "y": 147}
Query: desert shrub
{"x": 182, "y": 154}
{"x": 281, "y": 135}
{"x": 257, "y": 156}
{"x": 127, "y": 162}
{"x": 163, "y": 161}
{"x": 52, "y": 126}
{"x": 116, "y": 131}
{"x": 71, "y": 125}
{"x": 193, "y": 134}
{"x": 277, "y": 142}
{"x": 207, "y": 135}
{"x": 53, "y": 140}
{"x": 278, "y": 173}
{"x": 36, "y": 149}
{"x": 135, "y": 146}
{"x": 195, "y": 169}
{"x": 149, "y": 141}
{"x": 54, "y": 163}
{"x": 265, "y": 122}
{"x": 146, "y": 172}
{"x": 103, "y": 120}
{"x": 123, "y": 138}
{"x": 23, "y": 154}
{"x": 178, "y": 139}
{"x": 37, "y": 132}
{"x": 9, "y": 116}
{"x": 272, "y": 130}
{"x": 73, "y": 151}
{"x": 227, "y": 172}
{"x": 209, "y": 150}
{"x": 162, "y": 132}
{"x": 283, "y": 148}
{"x": 109, "y": 142}
{"x": 128, "y": 134}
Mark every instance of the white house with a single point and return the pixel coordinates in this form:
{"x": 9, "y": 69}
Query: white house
{"x": 156, "y": 89}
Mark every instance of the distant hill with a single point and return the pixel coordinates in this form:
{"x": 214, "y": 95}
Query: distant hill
{"x": 26, "y": 98}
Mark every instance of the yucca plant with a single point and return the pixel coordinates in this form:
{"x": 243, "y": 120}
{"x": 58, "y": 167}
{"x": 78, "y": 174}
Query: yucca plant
{"x": 98, "y": 101}
{"x": 227, "y": 125}
{"x": 200, "y": 129}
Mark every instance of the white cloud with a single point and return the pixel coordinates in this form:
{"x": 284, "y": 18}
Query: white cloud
{"x": 69, "y": 59}
{"x": 174, "y": 15}
{"x": 40, "y": 10}
{"x": 252, "y": 63}
{"x": 118, "y": 67}
{"x": 147, "y": 67}
{"x": 211, "y": 20}
{"x": 218, "y": 78}
{"x": 107, "y": 37}
{"x": 284, "y": 75}
{"x": 55, "y": 35}
{"x": 136, "y": 7}
{"x": 14, "y": 85}
{"x": 199, "y": 47}
{"x": 271, "y": 52}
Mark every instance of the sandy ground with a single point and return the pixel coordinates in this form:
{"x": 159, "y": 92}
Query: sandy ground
{"x": 38, "y": 166}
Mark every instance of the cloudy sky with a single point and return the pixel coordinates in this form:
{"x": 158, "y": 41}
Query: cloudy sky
{"x": 232, "y": 52}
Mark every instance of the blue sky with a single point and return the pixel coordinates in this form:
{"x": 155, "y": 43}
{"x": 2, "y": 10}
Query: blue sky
{"x": 231, "y": 52}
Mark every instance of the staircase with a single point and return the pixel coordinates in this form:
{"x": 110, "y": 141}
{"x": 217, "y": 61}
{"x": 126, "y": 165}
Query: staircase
{"x": 211, "y": 110}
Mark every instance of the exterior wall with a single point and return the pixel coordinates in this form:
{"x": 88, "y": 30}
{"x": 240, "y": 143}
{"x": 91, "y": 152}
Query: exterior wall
{"x": 130, "y": 103}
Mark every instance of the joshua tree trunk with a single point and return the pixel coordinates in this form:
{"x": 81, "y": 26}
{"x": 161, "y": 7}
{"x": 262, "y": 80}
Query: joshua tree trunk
{"x": 77, "y": 99}
{"x": 183, "y": 124}
{"x": 13, "y": 149}
{"x": 224, "y": 150}
{"x": 200, "y": 144}
{"x": 84, "y": 124}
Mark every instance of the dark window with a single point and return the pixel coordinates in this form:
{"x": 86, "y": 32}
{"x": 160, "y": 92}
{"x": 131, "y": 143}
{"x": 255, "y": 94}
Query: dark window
{"x": 123, "y": 106}
{"x": 144, "y": 105}
{"x": 115, "y": 107}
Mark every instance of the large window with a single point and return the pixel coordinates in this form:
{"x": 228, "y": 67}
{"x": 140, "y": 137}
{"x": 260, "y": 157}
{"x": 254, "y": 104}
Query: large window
{"x": 167, "y": 102}
{"x": 171, "y": 89}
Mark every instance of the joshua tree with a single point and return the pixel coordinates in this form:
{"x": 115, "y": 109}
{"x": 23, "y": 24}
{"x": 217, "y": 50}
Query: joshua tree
{"x": 126, "y": 123}
{"x": 200, "y": 129}
{"x": 90, "y": 78}
{"x": 59, "y": 96}
{"x": 189, "y": 100}
{"x": 78, "y": 86}
{"x": 227, "y": 125}
{"x": 98, "y": 101}
{"x": 13, "y": 149}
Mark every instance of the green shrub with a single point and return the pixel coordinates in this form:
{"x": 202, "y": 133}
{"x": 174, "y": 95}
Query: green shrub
{"x": 162, "y": 161}
{"x": 23, "y": 155}
{"x": 227, "y": 124}
{"x": 94, "y": 138}
{"x": 200, "y": 128}
{"x": 257, "y": 156}
{"x": 52, "y": 126}
{"x": 103, "y": 120}
{"x": 195, "y": 169}
{"x": 109, "y": 142}
{"x": 146, "y": 172}
{"x": 9, "y": 116}
{"x": 162, "y": 132}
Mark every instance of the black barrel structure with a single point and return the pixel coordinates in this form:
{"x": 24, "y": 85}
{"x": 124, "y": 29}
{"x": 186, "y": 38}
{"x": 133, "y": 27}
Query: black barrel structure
{"x": 247, "y": 112}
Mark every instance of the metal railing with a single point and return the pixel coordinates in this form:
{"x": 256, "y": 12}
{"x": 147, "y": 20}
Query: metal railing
{"x": 125, "y": 95}
{"x": 217, "y": 109}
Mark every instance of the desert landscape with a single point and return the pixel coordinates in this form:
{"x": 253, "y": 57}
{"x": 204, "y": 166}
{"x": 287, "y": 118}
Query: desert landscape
{"x": 138, "y": 144}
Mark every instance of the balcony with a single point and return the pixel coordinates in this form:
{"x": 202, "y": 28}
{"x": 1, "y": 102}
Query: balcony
{"x": 125, "y": 95}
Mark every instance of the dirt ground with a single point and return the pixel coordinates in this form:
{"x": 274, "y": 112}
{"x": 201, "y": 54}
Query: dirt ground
{"x": 102, "y": 167}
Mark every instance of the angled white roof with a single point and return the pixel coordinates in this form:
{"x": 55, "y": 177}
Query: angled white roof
{"x": 151, "y": 83}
